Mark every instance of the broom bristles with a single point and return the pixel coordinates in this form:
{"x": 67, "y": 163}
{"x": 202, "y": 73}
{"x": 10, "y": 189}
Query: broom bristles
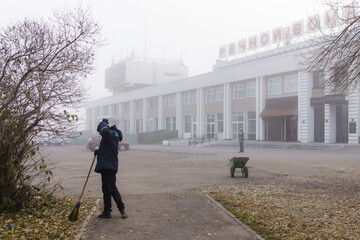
{"x": 74, "y": 215}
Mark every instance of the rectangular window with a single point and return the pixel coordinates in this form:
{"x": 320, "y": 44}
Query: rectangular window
{"x": 105, "y": 110}
{"x": 150, "y": 124}
{"x": 274, "y": 86}
{"x": 220, "y": 94}
{"x": 168, "y": 123}
{"x": 251, "y": 130}
{"x": 194, "y": 97}
{"x": 210, "y": 95}
{"x": 194, "y": 127}
{"x": 220, "y": 123}
{"x": 138, "y": 123}
{"x": 125, "y": 107}
{"x": 291, "y": 83}
{"x": 167, "y": 101}
{"x": 174, "y": 123}
{"x": 187, "y": 98}
{"x": 239, "y": 90}
{"x": 173, "y": 100}
{"x": 152, "y": 103}
{"x": 114, "y": 109}
{"x": 251, "y": 89}
{"x": 318, "y": 79}
{"x": 210, "y": 126}
{"x": 137, "y": 105}
{"x": 125, "y": 126}
{"x": 187, "y": 122}
{"x": 237, "y": 120}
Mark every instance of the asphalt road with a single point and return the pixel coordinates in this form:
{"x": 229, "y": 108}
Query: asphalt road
{"x": 164, "y": 188}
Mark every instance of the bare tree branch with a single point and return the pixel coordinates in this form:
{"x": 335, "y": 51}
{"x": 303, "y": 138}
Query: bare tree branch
{"x": 338, "y": 49}
{"x": 42, "y": 68}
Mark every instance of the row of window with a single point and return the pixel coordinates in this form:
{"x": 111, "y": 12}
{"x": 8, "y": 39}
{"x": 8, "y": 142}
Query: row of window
{"x": 240, "y": 90}
{"x": 170, "y": 100}
{"x": 190, "y": 98}
{"x": 214, "y": 94}
{"x": 190, "y": 124}
{"x": 237, "y": 121}
{"x": 275, "y": 84}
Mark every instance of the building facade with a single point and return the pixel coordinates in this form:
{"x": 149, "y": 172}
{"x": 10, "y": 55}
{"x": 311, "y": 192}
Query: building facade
{"x": 269, "y": 95}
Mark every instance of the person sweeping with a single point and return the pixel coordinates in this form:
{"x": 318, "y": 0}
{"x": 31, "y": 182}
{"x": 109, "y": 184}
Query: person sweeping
{"x": 107, "y": 166}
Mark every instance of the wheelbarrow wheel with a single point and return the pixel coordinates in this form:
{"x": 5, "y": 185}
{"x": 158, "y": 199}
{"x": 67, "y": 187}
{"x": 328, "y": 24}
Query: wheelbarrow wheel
{"x": 246, "y": 171}
{"x": 232, "y": 171}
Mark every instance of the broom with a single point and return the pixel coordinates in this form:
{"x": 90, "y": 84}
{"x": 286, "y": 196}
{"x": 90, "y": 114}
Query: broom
{"x": 74, "y": 215}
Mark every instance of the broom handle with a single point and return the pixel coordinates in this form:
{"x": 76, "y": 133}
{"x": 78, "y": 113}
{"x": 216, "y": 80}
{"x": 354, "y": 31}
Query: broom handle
{"x": 87, "y": 178}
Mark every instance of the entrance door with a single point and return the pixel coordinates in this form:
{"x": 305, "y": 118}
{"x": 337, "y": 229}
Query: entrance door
{"x": 342, "y": 123}
{"x": 210, "y": 126}
{"x": 291, "y": 128}
{"x": 319, "y": 124}
{"x": 194, "y": 127}
{"x": 275, "y": 126}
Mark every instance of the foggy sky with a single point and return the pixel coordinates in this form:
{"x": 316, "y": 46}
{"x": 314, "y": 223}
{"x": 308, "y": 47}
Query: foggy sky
{"x": 193, "y": 29}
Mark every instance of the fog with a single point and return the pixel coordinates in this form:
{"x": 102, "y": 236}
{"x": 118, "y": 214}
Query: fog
{"x": 191, "y": 30}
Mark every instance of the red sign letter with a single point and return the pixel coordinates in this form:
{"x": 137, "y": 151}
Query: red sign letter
{"x": 277, "y": 34}
{"x": 232, "y": 47}
{"x": 222, "y": 52}
{"x": 265, "y": 39}
{"x": 297, "y": 28}
{"x": 330, "y": 18}
{"x": 348, "y": 12}
{"x": 253, "y": 42}
{"x": 242, "y": 46}
{"x": 313, "y": 23}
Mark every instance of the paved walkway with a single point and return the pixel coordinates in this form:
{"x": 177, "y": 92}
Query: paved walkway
{"x": 161, "y": 185}
{"x": 182, "y": 215}
{"x": 162, "y": 199}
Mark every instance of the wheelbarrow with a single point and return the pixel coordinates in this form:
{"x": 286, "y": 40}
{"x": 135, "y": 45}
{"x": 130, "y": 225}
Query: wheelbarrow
{"x": 239, "y": 162}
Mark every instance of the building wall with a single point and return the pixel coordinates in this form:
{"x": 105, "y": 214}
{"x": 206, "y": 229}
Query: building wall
{"x": 258, "y": 70}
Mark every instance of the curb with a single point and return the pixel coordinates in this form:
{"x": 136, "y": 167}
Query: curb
{"x": 247, "y": 228}
{"x": 83, "y": 226}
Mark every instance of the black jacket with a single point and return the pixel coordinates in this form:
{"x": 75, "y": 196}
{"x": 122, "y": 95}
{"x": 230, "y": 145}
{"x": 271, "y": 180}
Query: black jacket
{"x": 107, "y": 157}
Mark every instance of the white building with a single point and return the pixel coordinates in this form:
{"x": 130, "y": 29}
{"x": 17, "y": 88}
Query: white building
{"x": 268, "y": 94}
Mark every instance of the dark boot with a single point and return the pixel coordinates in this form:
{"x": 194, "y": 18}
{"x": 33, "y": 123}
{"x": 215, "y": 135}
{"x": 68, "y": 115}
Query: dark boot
{"x": 123, "y": 214}
{"x": 105, "y": 214}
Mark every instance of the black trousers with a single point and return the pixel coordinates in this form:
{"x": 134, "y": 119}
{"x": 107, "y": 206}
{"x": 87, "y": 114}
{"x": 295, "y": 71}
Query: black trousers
{"x": 241, "y": 146}
{"x": 109, "y": 189}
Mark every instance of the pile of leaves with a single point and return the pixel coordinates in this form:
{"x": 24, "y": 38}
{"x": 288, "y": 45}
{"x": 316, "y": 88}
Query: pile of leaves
{"x": 44, "y": 220}
{"x": 278, "y": 213}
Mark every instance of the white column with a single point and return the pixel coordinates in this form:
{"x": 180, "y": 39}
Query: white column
{"x": 132, "y": 118}
{"x": 120, "y": 110}
{"x": 88, "y": 118}
{"x": 330, "y": 123}
{"x": 94, "y": 121}
{"x": 179, "y": 117}
{"x": 160, "y": 113}
{"x": 102, "y": 111}
{"x": 200, "y": 112}
{"x": 329, "y": 116}
{"x": 227, "y": 111}
{"x": 353, "y": 100}
{"x": 260, "y": 127}
{"x": 305, "y": 111}
{"x": 144, "y": 113}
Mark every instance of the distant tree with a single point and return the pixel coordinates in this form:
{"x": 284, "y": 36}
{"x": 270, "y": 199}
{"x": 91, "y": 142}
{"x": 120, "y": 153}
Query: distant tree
{"x": 42, "y": 67}
{"x": 338, "y": 48}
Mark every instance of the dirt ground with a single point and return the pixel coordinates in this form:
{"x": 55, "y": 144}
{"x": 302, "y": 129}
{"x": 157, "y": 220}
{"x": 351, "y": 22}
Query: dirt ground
{"x": 164, "y": 188}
